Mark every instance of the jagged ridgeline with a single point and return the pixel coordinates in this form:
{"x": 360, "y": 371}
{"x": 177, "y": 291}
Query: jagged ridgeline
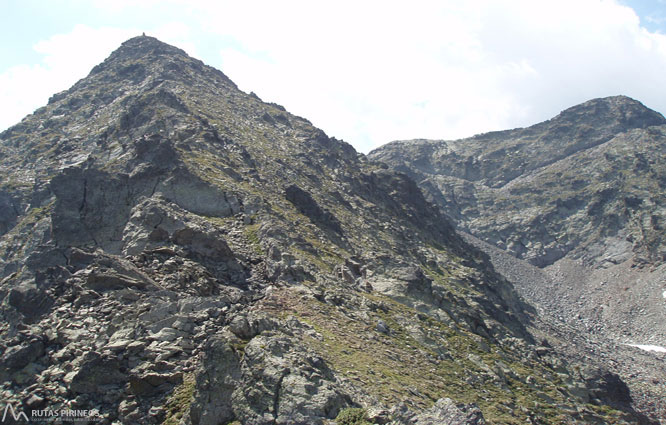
{"x": 587, "y": 184}
{"x": 174, "y": 250}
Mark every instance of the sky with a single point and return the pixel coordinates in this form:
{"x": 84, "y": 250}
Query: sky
{"x": 367, "y": 72}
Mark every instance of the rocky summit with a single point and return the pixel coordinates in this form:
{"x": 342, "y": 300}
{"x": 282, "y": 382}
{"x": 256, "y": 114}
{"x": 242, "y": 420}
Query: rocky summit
{"x": 174, "y": 250}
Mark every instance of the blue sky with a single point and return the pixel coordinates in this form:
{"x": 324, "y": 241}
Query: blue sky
{"x": 652, "y": 13}
{"x": 366, "y": 72}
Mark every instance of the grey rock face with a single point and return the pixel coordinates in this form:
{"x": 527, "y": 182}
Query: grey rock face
{"x": 29, "y": 300}
{"x": 607, "y": 387}
{"x": 277, "y": 383}
{"x": 284, "y": 384}
{"x": 215, "y": 385}
{"x": 8, "y": 212}
{"x": 199, "y": 197}
{"x": 91, "y": 208}
{"x": 308, "y": 207}
{"x": 550, "y": 190}
{"x": 151, "y": 223}
{"x": 110, "y": 272}
{"x": 19, "y": 356}
{"x": 95, "y": 373}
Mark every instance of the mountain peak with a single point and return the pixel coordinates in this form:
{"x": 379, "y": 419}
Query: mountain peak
{"x": 143, "y": 45}
{"x": 628, "y": 112}
{"x": 152, "y": 57}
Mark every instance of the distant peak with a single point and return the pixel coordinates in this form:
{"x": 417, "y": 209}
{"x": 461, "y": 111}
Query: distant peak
{"x": 619, "y": 101}
{"x": 620, "y": 98}
{"x": 629, "y": 112}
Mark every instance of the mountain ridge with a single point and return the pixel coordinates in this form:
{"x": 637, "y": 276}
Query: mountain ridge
{"x": 506, "y": 166}
{"x": 589, "y": 214}
{"x": 612, "y": 115}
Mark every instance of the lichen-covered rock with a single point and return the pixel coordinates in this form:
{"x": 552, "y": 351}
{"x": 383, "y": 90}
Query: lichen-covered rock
{"x": 447, "y": 412}
{"x": 284, "y": 384}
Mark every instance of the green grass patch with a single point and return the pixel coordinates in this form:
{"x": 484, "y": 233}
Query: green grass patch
{"x": 352, "y": 416}
{"x": 180, "y": 400}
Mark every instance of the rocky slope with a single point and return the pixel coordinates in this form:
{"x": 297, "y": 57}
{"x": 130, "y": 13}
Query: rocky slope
{"x": 173, "y": 250}
{"x": 581, "y": 196}
{"x": 587, "y": 338}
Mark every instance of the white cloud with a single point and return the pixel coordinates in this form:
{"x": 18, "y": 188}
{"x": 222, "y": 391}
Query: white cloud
{"x": 374, "y": 71}
{"x": 178, "y": 34}
{"x": 66, "y": 59}
{"x": 371, "y": 72}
